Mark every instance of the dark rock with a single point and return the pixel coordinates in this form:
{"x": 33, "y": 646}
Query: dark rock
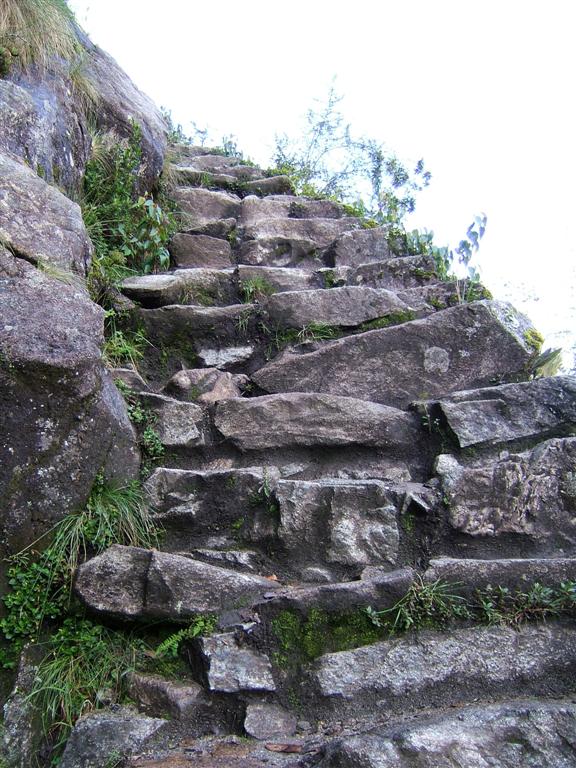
{"x": 438, "y": 669}
{"x": 132, "y": 583}
{"x": 99, "y": 735}
{"x": 269, "y": 721}
{"x": 200, "y": 251}
{"x": 467, "y": 345}
{"x": 176, "y": 424}
{"x": 55, "y": 396}
{"x": 534, "y": 734}
{"x": 21, "y": 734}
{"x": 39, "y": 223}
{"x": 130, "y": 378}
{"x": 361, "y": 247}
{"x": 349, "y": 306}
{"x": 228, "y": 667}
{"x": 531, "y": 495}
{"x": 183, "y": 324}
{"x": 203, "y": 207}
{"x": 275, "y": 421}
{"x": 540, "y": 408}
{"x": 160, "y": 697}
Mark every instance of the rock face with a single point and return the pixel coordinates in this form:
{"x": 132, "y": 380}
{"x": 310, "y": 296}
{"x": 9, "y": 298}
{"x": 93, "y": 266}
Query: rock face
{"x": 397, "y": 365}
{"x": 56, "y": 396}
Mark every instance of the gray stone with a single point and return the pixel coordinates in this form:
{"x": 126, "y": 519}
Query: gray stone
{"x": 467, "y": 345}
{"x": 531, "y": 495}
{"x": 132, "y": 583}
{"x": 269, "y": 721}
{"x": 517, "y": 574}
{"x": 255, "y": 209}
{"x": 229, "y": 667}
{"x": 221, "y": 229}
{"x": 130, "y": 378}
{"x": 439, "y": 669}
{"x": 225, "y": 358}
{"x": 275, "y": 185}
{"x": 21, "y": 734}
{"x": 56, "y": 396}
{"x": 208, "y": 161}
{"x": 204, "y": 287}
{"x": 176, "y": 323}
{"x": 533, "y": 734}
{"x": 278, "y": 278}
{"x": 201, "y": 206}
{"x": 349, "y": 306}
{"x": 397, "y": 274}
{"x": 361, "y": 247}
{"x": 160, "y": 697}
{"x": 39, "y": 223}
{"x": 321, "y": 232}
{"x": 540, "y": 408}
{"x": 205, "y": 385}
{"x": 339, "y": 522}
{"x": 276, "y": 421}
{"x": 176, "y": 423}
{"x": 200, "y": 251}
{"x": 281, "y": 252}
{"x": 98, "y": 735}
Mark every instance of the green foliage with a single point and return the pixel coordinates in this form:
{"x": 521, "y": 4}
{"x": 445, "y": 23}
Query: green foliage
{"x": 200, "y": 626}
{"x": 41, "y": 583}
{"x": 122, "y": 347}
{"x": 36, "y": 32}
{"x": 327, "y": 161}
{"x": 130, "y": 233}
{"x": 392, "y": 318}
{"x": 547, "y": 363}
{"x": 255, "y": 289}
{"x": 534, "y": 340}
{"x": 145, "y": 420}
{"x": 264, "y": 495}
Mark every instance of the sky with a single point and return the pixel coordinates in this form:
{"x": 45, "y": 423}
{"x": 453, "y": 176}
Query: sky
{"x": 483, "y": 91}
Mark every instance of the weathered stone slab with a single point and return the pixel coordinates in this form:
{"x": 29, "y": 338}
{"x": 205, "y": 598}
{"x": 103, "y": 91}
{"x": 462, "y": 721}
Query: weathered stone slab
{"x": 255, "y": 209}
{"x": 200, "y": 251}
{"x": 276, "y": 421}
{"x": 158, "y": 696}
{"x": 321, "y": 232}
{"x": 226, "y": 357}
{"x": 205, "y": 385}
{"x": 178, "y": 323}
{"x": 517, "y": 574}
{"x": 202, "y": 159}
{"x": 361, "y": 247}
{"x": 279, "y": 279}
{"x": 269, "y": 721}
{"x": 281, "y": 252}
{"x": 229, "y": 667}
{"x": 39, "y": 223}
{"x": 132, "y": 583}
{"x": 343, "y": 307}
{"x": 98, "y": 735}
{"x": 531, "y": 495}
{"x": 530, "y": 733}
{"x": 465, "y": 346}
{"x": 430, "y": 669}
{"x": 397, "y": 274}
{"x": 204, "y": 287}
{"x": 338, "y": 522}
{"x": 177, "y": 424}
{"x": 202, "y": 206}
{"x": 542, "y": 407}
{"x": 274, "y": 185}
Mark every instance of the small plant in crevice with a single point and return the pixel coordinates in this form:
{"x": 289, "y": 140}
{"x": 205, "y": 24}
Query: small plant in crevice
{"x": 122, "y": 346}
{"x": 200, "y": 626}
{"x": 255, "y": 289}
{"x": 145, "y": 421}
{"x": 264, "y": 495}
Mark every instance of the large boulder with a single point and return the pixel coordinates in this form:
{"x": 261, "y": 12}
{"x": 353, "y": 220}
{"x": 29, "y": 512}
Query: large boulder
{"x": 38, "y": 222}
{"x": 62, "y": 421}
{"x": 468, "y": 345}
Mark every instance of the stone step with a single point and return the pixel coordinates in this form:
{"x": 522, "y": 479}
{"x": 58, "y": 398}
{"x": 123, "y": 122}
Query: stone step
{"x": 197, "y": 287}
{"x": 200, "y": 251}
{"x": 216, "y": 178}
{"x": 395, "y": 274}
{"x": 465, "y": 346}
{"x": 226, "y": 663}
{"x": 540, "y": 408}
{"x": 299, "y": 419}
{"x": 522, "y": 504}
{"x": 353, "y": 249}
{"x": 529, "y": 732}
{"x": 255, "y": 209}
{"x": 436, "y": 669}
{"x": 205, "y": 386}
{"x": 202, "y": 206}
{"x": 268, "y": 280}
{"x": 350, "y": 306}
{"x": 145, "y": 584}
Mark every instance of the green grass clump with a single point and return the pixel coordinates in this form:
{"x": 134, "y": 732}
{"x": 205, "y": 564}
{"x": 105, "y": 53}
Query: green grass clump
{"x": 534, "y": 340}
{"x": 392, "y": 318}
{"x": 255, "y": 289}
{"x": 35, "y": 32}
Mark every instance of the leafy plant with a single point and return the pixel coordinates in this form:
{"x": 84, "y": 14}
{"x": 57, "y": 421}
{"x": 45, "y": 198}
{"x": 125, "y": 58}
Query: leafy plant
{"x": 255, "y": 289}
{"x": 200, "y": 626}
{"x": 122, "y": 347}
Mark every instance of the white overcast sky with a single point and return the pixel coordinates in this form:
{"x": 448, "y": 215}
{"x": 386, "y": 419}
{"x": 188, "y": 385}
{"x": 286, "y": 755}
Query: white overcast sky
{"x": 483, "y": 91}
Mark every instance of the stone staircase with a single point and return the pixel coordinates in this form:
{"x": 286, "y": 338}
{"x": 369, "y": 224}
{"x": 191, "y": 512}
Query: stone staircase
{"x": 338, "y": 427}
